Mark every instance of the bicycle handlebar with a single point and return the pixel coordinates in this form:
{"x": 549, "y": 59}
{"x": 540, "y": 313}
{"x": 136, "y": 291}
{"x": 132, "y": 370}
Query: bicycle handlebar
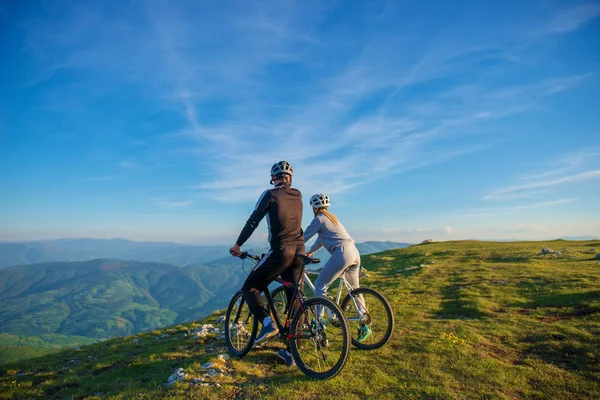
{"x": 245, "y": 254}
{"x": 305, "y": 259}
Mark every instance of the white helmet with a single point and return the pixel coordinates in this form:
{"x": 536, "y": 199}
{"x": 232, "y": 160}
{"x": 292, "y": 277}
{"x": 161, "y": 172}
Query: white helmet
{"x": 320, "y": 200}
{"x": 282, "y": 167}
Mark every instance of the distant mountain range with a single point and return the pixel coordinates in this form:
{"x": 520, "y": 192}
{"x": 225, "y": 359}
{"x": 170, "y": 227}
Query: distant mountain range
{"x": 108, "y": 297}
{"x": 580, "y": 237}
{"x": 21, "y": 253}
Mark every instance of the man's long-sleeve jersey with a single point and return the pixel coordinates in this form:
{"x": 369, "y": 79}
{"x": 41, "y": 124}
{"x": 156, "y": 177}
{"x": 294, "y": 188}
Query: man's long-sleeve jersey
{"x": 283, "y": 207}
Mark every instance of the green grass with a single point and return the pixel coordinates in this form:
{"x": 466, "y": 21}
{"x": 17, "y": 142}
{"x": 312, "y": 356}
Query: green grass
{"x": 479, "y": 320}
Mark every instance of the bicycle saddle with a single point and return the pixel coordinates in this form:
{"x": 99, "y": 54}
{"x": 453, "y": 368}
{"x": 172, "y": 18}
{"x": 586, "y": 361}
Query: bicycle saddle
{"x": 309, "y": 260}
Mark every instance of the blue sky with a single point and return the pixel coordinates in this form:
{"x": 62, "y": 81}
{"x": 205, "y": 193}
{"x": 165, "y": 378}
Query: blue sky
{"x": 158, "y": 120}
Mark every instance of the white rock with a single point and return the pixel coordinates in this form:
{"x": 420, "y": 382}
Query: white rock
{"x": 178, "y": 375}
{"x": 223, "y": 357}
{"x": 207, "y": 365}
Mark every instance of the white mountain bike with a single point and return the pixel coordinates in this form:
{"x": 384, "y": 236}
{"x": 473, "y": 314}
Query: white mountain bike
{"x": 365, "y": 309}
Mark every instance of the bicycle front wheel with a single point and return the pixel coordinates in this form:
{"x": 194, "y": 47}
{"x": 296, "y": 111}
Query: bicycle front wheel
{"x": 240, "y": 326}
{"x": 320, "y": 338}
{"x": 372, "y": 326}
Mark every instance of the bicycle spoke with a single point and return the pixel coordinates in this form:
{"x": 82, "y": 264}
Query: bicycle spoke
{"x": 322, "y": 349}
{"x": 240, "y": 330}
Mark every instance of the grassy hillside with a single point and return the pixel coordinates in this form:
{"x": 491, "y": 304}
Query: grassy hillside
{"x": 474, "y": 320}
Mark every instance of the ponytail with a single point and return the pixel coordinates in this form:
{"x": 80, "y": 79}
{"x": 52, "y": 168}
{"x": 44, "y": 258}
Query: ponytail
{"x": 330, "y": 216}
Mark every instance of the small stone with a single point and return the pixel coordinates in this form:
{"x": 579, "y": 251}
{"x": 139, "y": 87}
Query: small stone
{"x": 598, "y": 256}
{"x": 207, "y": 365}
{"x": 135, "y": 340}
{"x": 178, "y": 375}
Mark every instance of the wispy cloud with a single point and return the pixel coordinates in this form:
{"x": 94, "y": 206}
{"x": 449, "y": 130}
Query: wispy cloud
{"x": 568, "y": 163}
{"x": 494, "y": 211}
{"x": 580, "y": 177}
{"x": 170, "y": 205}
{"x": 571, "y": 17}
{"x": 130, "y": 165}
{"x": 354, "y": 116}
{"x": 104, "y": 178}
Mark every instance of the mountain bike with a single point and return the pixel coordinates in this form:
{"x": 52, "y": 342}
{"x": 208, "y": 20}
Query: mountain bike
{"x": 319, "y": 347}
{"x": 362, "y": 306}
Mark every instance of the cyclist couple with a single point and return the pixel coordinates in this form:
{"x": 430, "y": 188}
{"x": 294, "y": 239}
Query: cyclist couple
{"x": 283, "y": 207}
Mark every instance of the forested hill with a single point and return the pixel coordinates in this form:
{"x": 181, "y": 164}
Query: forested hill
{"x": 106, "y": 298}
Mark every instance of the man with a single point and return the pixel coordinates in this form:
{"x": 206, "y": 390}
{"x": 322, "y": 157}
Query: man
{"x": 283, "y": 207}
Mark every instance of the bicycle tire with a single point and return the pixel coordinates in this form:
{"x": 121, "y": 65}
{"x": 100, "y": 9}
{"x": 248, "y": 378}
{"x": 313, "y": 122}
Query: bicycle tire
{"x": 382, "y": 310}
{"x": 238, "y": 338}
{"x": 327, "y": 339}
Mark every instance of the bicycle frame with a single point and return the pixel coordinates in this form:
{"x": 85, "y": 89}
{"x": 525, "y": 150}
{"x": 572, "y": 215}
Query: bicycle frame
{"x": 344, "y": 282}
{"x": 284, "y": 327}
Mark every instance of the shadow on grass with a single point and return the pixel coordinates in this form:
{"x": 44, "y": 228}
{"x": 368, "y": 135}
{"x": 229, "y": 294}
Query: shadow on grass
{"x": 579, "y": 301}
{"x": 574, "y": 353}
{"x": 457, "y": 306}
{"x": 498, "y": 258}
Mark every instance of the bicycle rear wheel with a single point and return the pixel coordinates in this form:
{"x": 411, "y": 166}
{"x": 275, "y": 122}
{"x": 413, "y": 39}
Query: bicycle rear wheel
{"x": 320, "y": 345}
{"x": 240, "y": 326}
{"x": 378, "y": 318}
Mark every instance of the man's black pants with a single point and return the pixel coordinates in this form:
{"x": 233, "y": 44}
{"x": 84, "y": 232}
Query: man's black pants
{"x": 280, "y": 260}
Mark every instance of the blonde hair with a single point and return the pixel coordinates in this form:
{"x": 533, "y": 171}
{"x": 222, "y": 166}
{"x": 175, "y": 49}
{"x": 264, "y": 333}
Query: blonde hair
{"x": 330, "y": 216}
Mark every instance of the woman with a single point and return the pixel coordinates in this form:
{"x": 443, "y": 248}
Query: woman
{"x": 344, "y": 254}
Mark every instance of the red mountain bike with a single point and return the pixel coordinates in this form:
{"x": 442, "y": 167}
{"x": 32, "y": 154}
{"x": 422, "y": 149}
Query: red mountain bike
{"x": 317, "y": 331}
